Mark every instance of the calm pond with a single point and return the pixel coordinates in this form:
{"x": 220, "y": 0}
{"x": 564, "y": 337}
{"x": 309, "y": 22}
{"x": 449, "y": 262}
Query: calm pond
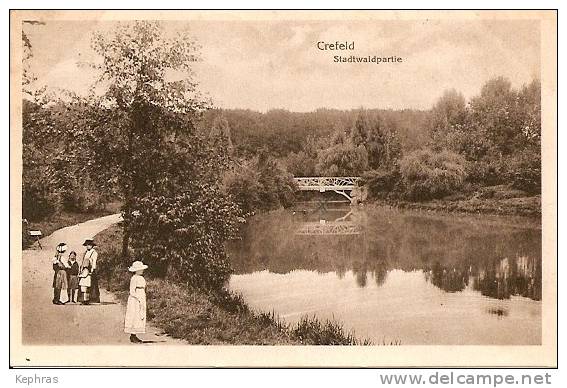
{"x": 391, "y": 275}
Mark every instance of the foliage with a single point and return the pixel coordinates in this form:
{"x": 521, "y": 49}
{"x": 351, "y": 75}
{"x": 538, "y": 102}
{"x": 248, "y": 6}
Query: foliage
{"x": 281, "y": 132}
{"x": 304, "y": 162}
{"x": 220, "y": 137}
{"x": 182, "y": 236}
{"x": 27, "y": 76}
{"x": 381, "y": 182}
{"x": 138, "y": 140}
{"x": 448, "y": 114}
{"x": 310, "y": 330}
{"x": 489, "y": 131}
{"x": 367, "y": 145}
{"x": 29, "y": 87}
{"x": 242, "y": 184}
{"x": 342, "y": 157}
{"x": 301, "y": 164}
{"x": 40, "y": 196}
{"x": 342, "y": 160}
{"x": 40, "y": 189}
{"x": 427, "y": 175}
{"x": 496, "y": 127}
{"x": 494, "y": 113}
{"x": 525, "y": 172}
{"x": 488, "y": 171}
{"x": 260, "y": 184}
{"x": 56, "y": 171}
{"x": 384, "y": 147}
{"x": 164, "y": 169}
{"x": 278, "y": 186}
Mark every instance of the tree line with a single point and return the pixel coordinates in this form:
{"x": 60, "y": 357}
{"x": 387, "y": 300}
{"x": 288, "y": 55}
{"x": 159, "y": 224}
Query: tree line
{"x": 457, "y": 146}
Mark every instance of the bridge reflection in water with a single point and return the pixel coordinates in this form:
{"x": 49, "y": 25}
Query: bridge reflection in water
{"x": 339, "y": 226}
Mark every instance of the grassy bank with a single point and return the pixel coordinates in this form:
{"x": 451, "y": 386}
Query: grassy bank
{"x": 496, "y": 200}
{"x": 63, "y": 219}
{"x": 527, "y": 207}
{"x": 213, "y": 318}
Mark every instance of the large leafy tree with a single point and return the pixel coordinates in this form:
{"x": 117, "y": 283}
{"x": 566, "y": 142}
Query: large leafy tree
{"x": 494, "y": 113}
{"x": 141, "y": 110}
{"x": 498, "y": 132}
{"x": 142, "y": 132}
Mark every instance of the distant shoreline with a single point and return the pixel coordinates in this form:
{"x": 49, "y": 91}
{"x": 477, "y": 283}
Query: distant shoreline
{"x": 523, "y": 207}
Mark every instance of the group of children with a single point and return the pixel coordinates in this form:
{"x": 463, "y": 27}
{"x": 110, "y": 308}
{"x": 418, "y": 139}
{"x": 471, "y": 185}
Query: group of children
{"x": 79, "y": 280}
{"x": 81, "y": 284}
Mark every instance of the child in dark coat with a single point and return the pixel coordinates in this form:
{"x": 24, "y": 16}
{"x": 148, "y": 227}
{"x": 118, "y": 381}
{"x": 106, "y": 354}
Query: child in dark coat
{"x": 73, "y": 277}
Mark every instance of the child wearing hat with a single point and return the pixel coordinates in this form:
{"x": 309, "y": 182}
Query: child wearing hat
{"x": 60, "y": 273}
{"x": 135, "y": 320}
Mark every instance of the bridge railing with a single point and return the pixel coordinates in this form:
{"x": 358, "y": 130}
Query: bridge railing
{"x": 326, "y": 182}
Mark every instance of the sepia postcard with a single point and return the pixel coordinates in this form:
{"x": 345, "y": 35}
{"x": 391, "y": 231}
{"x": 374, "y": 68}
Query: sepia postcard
{"x": 283, "y": 188}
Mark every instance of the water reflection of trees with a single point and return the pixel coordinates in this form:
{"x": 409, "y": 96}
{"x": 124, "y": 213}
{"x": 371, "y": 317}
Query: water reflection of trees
{"x": 454, "y": 253}
{"x": 498, "y": 279}
{"x": 447, "y": 279}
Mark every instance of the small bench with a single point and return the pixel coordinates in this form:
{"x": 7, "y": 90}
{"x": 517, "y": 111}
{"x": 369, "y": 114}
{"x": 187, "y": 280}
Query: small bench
{"x": 37, "y": 235}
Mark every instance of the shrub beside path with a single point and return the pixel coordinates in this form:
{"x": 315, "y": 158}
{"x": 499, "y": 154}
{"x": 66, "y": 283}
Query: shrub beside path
{"x": 44, "y": 323}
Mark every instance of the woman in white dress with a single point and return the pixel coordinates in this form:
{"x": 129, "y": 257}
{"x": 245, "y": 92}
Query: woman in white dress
{"x": 135, "y": 320}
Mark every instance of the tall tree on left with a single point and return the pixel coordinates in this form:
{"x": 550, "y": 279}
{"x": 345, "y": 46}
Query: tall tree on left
{"x": 141, "y": 128}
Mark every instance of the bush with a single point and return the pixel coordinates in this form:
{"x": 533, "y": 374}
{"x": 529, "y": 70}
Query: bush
{"x": 310, "y": 330}
{"x": 277, "y": 185}
{"x": 301, "y": 164}
{"x": 489, "y": 171}
{"x": 260, "y": 184}
{"x": 428, "y": 175}
{"x": 343, "y": 159}
{"x": 182, "y": 236}
{"x": 524, "y": 172}
{"x": 381, "y": 182}
{"x": 82, "y": 200}
{"x": 244, "y": 188}
{"x": 40, "y": 197}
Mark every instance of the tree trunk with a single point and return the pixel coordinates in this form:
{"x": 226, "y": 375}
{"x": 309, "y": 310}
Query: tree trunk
{"x": 125, "y": 235}
{"x": 127, "y": 210}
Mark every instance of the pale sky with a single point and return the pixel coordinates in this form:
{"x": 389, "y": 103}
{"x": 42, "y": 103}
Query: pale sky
{"x": 262, "y": 65}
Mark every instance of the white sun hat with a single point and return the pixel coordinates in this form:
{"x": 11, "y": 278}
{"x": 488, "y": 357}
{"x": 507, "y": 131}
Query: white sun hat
{"x": 137, "y": 266}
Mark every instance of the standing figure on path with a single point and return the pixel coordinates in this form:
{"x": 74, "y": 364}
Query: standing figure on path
{"x": 72, "y": 277}
{"x": 60, "y": 273}
{"x": 85, "y": 280}
{"x": 92, "y": 255}
{"x": 135, "y": 320}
